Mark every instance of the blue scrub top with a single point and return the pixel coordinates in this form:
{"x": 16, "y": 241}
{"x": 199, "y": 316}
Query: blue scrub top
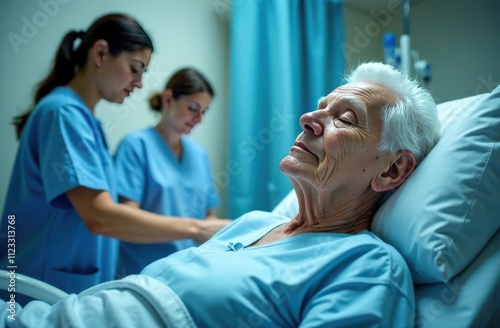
{"x": 62, "y": 146}
{"x": 306, "y": 280}
{"x": 149, "y": 173}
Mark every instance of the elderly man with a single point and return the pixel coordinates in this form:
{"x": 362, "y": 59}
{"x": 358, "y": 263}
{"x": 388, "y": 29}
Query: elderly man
{"x": 322, "y": 268}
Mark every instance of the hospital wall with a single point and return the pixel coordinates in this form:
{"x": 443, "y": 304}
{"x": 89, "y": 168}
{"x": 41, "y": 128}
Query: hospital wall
{"x": 460, "y": 39}
{"x": 193, "y": 33}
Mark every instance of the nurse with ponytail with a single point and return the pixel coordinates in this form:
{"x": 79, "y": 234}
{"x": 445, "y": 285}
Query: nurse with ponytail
{"x": 62, "y": 195}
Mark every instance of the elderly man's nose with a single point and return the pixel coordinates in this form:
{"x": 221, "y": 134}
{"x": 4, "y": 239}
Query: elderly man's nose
{"x": 311, "y": 124}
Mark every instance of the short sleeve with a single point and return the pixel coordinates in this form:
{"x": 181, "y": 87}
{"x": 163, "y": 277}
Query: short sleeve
{"x": 129, "y": 164}
{"x": 72, "y": 152}
{"x": 359, "y": 304}
{"x": 373, "y": 289}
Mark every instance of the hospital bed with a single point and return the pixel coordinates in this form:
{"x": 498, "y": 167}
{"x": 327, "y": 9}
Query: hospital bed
{"x": 444, "y": 220}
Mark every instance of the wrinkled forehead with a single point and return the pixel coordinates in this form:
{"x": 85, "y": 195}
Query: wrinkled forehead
{"x": 362, "y": 95}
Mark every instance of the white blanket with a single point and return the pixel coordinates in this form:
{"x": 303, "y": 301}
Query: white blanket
{"x": 135, "y": 301}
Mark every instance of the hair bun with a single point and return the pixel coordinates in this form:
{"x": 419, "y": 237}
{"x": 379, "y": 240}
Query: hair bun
{"x": 155, "y": 102}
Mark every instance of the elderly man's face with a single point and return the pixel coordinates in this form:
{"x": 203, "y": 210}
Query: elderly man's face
{"x": 337, "y": 151}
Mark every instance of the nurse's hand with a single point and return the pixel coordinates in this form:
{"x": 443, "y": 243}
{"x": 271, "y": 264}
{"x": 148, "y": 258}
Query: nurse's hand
{"x": 208, "y": 228}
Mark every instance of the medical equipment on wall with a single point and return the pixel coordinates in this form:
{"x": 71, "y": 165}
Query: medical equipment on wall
{"x": 403, "y": 58}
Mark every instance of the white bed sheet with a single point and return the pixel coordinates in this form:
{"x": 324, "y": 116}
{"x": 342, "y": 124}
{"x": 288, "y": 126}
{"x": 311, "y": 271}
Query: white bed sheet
{"x": 135, "y": 301}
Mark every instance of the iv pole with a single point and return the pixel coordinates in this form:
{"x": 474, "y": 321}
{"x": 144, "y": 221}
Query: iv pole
{"x": 404, "y": 40}
{"x": 403, "y": 58}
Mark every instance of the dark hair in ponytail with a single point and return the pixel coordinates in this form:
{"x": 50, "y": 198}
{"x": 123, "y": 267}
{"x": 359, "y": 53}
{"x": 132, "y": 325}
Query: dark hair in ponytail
{"x": 186, "y": 81}
{"x": 121, "y": 32}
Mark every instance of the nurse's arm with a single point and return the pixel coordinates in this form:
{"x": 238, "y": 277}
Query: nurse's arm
{"x": 211, "y": 216}
{"x": 123, "y": 200}
{"x": 129, "y": 202}
{"x": 103, "y": 216}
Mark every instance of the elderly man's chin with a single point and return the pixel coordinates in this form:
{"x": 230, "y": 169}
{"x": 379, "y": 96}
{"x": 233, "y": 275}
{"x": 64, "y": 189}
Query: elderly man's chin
{"x": 290, "y": 165}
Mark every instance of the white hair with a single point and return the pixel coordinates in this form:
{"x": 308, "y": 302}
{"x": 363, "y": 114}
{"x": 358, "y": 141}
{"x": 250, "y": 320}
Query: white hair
{"x": 411, "y": 123}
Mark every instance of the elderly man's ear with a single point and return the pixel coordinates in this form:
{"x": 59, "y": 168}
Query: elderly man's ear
{"x": 400, "y": 169}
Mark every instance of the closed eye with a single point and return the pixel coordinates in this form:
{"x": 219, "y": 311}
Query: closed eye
{"x": 344, "y": 121}
{"x": 348, "y": 118}
{"x": 133, "y": 69}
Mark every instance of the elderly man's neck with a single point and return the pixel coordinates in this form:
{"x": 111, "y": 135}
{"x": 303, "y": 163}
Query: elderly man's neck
{"x": 331, "y": 214}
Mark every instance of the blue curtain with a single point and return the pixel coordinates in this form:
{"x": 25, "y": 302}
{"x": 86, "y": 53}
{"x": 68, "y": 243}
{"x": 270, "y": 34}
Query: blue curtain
{"x": 285, "y": 55}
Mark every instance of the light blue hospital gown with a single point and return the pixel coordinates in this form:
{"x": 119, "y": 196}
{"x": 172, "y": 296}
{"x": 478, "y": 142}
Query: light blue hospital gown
{"x": 62, "y": 146}
{"x": 149, "y": 173}
{"x": 308, "y": 280}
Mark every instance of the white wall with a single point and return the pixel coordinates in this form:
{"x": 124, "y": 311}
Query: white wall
{"x": 185, "y": 32}
{"x": 460, "y": 39}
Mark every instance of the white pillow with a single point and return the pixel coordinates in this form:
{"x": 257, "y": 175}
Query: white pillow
{"x": 470, "y": 299}
{"x": 288, "y": 206}
{"x": 447, "y": 210}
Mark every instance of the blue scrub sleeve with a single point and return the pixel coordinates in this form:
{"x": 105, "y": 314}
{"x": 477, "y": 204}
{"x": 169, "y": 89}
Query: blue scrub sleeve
{"x": 129, "y": 168}
{"x": 69, "y": 143}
